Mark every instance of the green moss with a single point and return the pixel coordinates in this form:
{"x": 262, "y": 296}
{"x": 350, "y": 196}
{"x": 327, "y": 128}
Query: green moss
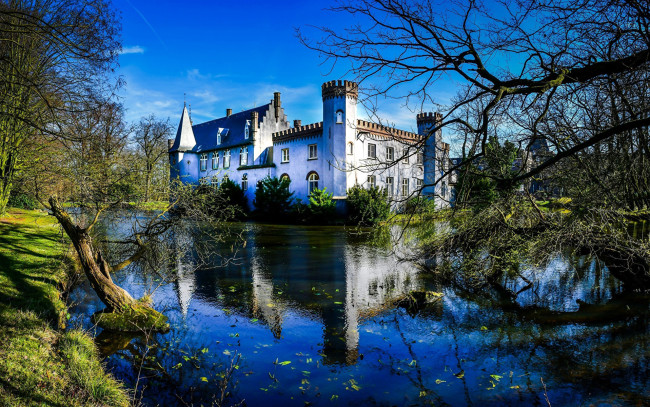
{"x": 40, "y": 365}
{"x": 137, "y": 318}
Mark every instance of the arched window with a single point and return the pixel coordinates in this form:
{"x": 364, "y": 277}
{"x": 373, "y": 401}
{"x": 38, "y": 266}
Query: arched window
{"x": 204, "y": 162}
{"x": 350, "y": 148}
{"x": 244, "y": 182}
{"x": 339, "y": 116}
{"x": 285, "y": 176}
{"x": 312, "y": 181}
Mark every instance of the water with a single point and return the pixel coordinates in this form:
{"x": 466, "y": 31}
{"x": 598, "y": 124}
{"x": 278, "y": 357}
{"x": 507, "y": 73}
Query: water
{"x": 310, "y": 316}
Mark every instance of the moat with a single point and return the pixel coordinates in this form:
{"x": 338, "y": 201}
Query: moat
{"x": 308, "y": 316}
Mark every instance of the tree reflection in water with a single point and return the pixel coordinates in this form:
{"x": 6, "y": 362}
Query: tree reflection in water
{"x": 323, "y": 299}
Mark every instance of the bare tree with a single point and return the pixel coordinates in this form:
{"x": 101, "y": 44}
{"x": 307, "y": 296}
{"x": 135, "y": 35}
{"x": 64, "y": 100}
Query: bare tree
{"x": 520, "y": 63}
{"x": 150, "y": 136}
{"x": 54, "y": 56}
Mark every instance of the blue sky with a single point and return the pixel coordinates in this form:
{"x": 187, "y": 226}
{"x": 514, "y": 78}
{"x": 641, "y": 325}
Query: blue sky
{"x": 228, "y": 55}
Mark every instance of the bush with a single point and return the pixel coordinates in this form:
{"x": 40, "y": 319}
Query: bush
{"x": 367, "y": 206}
{"x": 22, "y": 201}
{"x": 419, "y": 204}
{"x": 233, "y": 195}
{"x": 273, "y": 198}
{"x": 321, "y": 206}
{"x": 228, "y": 199}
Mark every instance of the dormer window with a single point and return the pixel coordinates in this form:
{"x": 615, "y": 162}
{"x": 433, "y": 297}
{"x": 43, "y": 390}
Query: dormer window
{"x": 219, "y": 138}
{"x": 339, "y": 117}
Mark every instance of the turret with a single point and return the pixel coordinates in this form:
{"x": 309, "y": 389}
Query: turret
{"x": 339, "y": 128}
{"x": 433, "y": 150}
{"x": 185, "y": 140}
{"x": 277, "y": 104}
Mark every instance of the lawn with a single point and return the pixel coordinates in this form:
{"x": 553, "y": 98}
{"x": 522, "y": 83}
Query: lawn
{"x": 40, "y": 363}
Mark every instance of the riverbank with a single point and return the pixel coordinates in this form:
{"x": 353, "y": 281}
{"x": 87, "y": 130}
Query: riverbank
{"x": 40, "y": 364}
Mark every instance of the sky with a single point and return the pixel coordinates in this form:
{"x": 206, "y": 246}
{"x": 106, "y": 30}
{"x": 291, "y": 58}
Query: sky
{"x": 229, "y": 54}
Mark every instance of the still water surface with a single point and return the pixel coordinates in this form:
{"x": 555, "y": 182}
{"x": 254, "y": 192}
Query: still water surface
{"x": 308, "y": 316}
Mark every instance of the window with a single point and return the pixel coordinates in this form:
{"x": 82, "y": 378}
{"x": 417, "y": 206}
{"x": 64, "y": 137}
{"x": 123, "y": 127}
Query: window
{"x": 339, "y": 116}
{"x": 350, "y": 148}
{"x": 418, "y": 184}
{"x": 285, "y": 155}
{"x": 372, "y": 150}
{"x": 390, "y": 181}
{"x": 244, "y": 182}
{"x": 313, "y": 151}
{"x": 312, "y": 181}
{"x": 225, "y": 179}
{"x": 390, "y": 154}
{"x": 405, "y": 186}
{"x": 203, "y": 180}
{"x": 219, "y": 138}
{"x": 285, "y": 176}
{"x": 243, "y": 156}
{"x": 214, "y": 181}
{"x": 406, "y": 156}
{"x": 173, "y": 159}
{"x": 248, "y": 123}
{"x": 226, "y": 159}
{"x": 419, "y": 158}
{"x": 204, "y": 162}
{"x": 215, "y": 160}
{"x": 444, "y": 189}
{"x": 372, "y": 181}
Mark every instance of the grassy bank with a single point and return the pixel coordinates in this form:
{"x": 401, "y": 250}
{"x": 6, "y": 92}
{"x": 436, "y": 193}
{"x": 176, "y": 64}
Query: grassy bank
{"x": 40, "y": 365}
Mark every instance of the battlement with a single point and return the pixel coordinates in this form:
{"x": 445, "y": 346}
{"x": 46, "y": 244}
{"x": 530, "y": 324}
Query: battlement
{"x": 300, "y": 131}
{"x": 388, "y": 132}
{"x": 429, "y": 117}
{"x": 333, "y": 89}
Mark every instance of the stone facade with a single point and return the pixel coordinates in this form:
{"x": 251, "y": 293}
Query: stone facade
{"x": 337, "y": 153}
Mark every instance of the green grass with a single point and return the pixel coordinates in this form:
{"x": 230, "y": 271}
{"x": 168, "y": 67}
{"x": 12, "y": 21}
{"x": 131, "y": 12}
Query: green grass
{"x": 40, "y": 365}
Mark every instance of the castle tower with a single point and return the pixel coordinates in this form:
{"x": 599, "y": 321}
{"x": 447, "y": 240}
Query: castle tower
{"x": 432, "y": 149}
{"x": 181, "y": 163}
{"x": 339, "y": 127}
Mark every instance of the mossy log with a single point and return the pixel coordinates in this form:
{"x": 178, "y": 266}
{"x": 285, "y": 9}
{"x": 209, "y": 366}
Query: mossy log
{"x": 135, "y": 318}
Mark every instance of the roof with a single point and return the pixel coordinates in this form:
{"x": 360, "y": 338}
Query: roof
{"x": 232, "y": 130}
{"x": 184, "y": 140}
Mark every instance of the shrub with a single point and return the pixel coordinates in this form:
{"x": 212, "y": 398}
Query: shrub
{"x": 273, "y": 198}
{"x": 22, "y": 201}
{"x": 228, "y": 198}
{"x": 321, "y": 206}
{"x": 367, "y": 206}
{"x": 419, "y": 204}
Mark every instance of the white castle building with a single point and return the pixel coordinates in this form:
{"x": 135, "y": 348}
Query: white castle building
{"x": 337, "y": 153}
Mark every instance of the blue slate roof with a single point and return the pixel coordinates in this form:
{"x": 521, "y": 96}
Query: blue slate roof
{"x": 231, "y": 128}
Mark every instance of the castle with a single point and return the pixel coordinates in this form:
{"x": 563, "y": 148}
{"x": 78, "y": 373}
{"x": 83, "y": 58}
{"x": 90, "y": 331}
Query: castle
{"x": 338, "y": 153}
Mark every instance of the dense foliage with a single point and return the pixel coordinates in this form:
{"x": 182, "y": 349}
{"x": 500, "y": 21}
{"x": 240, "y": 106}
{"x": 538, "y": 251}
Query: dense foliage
{"x": 273, "y": 198}
{"x": 322, "y": 207}
{"x": 367, "y": 206}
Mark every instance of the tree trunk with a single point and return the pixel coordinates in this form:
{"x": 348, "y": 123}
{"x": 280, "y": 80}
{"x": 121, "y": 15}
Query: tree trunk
{"x": 95, "y": 267}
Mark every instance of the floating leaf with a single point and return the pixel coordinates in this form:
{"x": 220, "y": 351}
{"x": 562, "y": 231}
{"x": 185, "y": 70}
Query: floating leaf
{"x": 484, "y": 328}
{"x": 264, "y": 389}
{"x": 355, "y": 387}
{"x": 338, "y": 302}
{"x": 438, "y": 381}
{"x": 496, "y": 377}
{"x": 286, "y": 362}
{"x": 514, "y": 387}
{"x": 178, "y": 366}
{"x": 204, "y": 350}
{"x": 254, "y": 320}
{"x": 460, "y": 374}
{"x": 204, "y": 379}
{"x": 423, "y": 393}
{"x": 306, "y": 372}
{"x": 334, "y": 396}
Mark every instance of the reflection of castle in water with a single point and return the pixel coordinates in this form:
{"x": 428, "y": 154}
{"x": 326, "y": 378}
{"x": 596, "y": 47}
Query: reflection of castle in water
{"x": 325, "y": 272}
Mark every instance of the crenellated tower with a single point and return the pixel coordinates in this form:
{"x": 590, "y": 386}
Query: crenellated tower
{"x": 428, "y": 123}
{"x": 339, "y": 127}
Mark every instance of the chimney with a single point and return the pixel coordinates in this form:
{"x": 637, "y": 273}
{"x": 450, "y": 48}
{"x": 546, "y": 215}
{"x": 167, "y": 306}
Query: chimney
{"x": 277, "y": 105}
{"x": 297, "y": 123}
{"x": 170, "y": 143}
{"x": 228, "y": 112}
{"x": 254, "y": 119}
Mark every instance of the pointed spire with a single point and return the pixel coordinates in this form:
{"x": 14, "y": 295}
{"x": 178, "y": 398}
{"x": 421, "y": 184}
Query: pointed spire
{"x": 184, "y": 136}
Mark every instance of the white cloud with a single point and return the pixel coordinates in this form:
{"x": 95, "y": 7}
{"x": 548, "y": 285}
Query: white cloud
{"x": 133, "y": 49}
